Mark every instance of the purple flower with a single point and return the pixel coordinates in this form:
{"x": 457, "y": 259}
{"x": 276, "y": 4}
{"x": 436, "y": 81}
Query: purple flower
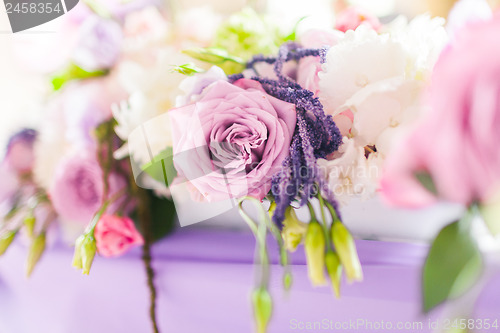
{"x": 316, "y": 135}
{"x": 99, "y": 44}
{"x": 20, "y": 156}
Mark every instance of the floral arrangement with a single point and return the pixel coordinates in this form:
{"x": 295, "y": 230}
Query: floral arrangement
{"x": 238, "y": 110}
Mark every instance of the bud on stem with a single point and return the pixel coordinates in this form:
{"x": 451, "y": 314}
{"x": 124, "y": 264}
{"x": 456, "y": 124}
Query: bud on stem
{"x": 346, "y": 249}
{"x": 29, "y": 224}
{"x": 263, "y": 308}
{"x": 315, "y": 253}
{"x": 6, "y": 239}
{"x": 77, "y": 257}
{"x": 334, "y": 269}
{"x": 294, "y": 230}
{"x": 87, "y": 252}
{"x": 36, "y": 250}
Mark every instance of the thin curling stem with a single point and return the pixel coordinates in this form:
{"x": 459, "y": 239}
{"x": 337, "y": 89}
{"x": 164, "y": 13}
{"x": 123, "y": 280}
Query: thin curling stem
{"x": 145, "y": 222}
{"x": 260, "y": 231}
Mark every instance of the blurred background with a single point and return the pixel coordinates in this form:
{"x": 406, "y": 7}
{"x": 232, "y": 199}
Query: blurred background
{"x": 28, "y": 57}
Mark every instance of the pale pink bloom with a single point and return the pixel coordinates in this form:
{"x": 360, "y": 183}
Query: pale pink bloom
{"x": 77, "y": 191}
{"x": 353, "y": 17}
{"x": 457, "y": 142}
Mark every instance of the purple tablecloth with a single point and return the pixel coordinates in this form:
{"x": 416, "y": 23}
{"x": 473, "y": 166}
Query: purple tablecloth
{"x": 204, "y": 278}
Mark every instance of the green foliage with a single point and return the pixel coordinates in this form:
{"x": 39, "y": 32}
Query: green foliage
{"x": 162, "y": 167}
{"x": 217, "y": 56}
{"x": 162, "y": 216}
{"x": 188, "y": 69}
{"x": 73, "y": 72}
{"x": 453, "y": 264}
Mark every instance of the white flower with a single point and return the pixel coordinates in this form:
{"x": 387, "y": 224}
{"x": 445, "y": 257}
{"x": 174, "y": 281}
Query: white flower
{"x": 382, "y": 107}
{"x": 422, "y": 39}
{"x": 360, "y": 58}
{"x": 379, "y": 79}
{"x": 351, "y": 173}
{"x": 153, "y": 90}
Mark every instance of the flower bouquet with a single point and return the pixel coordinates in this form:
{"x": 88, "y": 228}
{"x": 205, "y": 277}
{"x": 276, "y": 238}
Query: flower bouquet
{"x": 151, "y": 120}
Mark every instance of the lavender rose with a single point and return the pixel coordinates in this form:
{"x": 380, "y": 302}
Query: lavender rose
{"x": 232, "y": 140}
{"x": 77, "y": 190}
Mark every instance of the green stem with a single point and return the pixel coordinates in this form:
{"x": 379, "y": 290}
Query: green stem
{"x": 311, "y": 211}
{"x": 333, "y": 213}
{"x": 103, "y": 209}
{"x": 325, "y": 226}
{"x": 144, "y": 213}
{"x": 260, "y": 233}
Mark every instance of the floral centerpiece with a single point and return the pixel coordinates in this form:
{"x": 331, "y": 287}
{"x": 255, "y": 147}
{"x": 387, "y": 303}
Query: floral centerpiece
{"x": 149, "y": 116}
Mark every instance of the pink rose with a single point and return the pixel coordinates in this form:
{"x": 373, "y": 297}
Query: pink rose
{"x": 353, "y": 17}
{"x": 231, "y": 142}
{"x": 77, "y": 191}
{"x": 456, "y": 143}
{"x": 115, "y": 235}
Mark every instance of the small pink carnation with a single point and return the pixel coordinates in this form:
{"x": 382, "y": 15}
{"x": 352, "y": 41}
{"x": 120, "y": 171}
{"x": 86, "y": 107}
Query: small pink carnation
{"x": 115, "y": 235}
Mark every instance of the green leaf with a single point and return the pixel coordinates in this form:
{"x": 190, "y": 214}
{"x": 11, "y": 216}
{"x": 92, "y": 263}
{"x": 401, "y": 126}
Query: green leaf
{"x": 426, "y": 181}
{"x": 188, "y": 69}
{"x": 73, "y": 72}
{"x": 162, "y": 167}
{"x": 162, "y": 216}
{"x": 217, "y": 56}
{"x": 453, "y": 264}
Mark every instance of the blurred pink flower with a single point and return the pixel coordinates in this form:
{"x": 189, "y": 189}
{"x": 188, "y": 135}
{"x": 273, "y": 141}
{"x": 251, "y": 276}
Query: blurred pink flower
{"x": 77, "y": 191}
{"x": 353, "y": 17}
{"x": 115, "y": 235}
{"x": 457, "y": 142}
{"x": 20, "y": 156}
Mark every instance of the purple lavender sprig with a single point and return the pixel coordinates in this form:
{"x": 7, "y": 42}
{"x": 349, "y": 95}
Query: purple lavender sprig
{"x": 316, "y": 134}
